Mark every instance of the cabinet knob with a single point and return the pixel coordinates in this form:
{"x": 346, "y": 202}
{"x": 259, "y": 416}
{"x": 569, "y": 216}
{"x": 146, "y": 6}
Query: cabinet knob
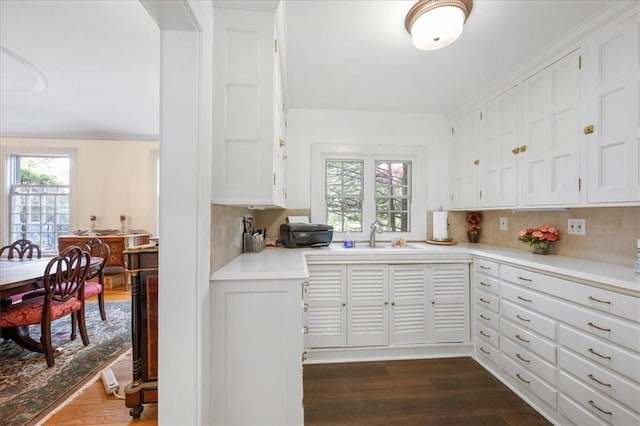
{"x": 476, "y": 162}
{"x": 588, "y": 130}
{"x": 393, "y": 303}
{"x": 523, "y": 148}
{"x": 386, "y": 303}
{"x": 306, "y": 307}
{"x": 515, "y": 150}
{"x": 281, "y": 142}
{"x": 343, "y": 304}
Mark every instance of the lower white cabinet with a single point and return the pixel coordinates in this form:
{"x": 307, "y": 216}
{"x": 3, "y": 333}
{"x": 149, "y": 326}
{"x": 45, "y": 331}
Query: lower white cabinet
{"x": 256, "y": 352}
{"x": 570, "y": 350}
{"x": 375, "y": 305}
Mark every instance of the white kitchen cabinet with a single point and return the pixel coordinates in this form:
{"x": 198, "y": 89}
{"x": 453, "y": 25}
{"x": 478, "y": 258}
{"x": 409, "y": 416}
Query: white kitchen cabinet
{"x": 382, "y": 305}
{"x": 367, "y": 305}
{"x": 248, "y": 139}
{"x": 464, "y": 162}
{"x": 549, "y": 156}
{"x": 571, "y": 350}
{"x": 325, "y": 301}
{"x": 610, "y": 97}
{"x": 497, "y": 150}
{"x": 448, "y": 310}
{"x": 256, "y": 352}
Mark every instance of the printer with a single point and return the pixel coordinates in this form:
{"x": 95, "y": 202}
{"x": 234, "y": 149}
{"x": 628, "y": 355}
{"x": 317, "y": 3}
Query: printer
{"x": 295, "y": 235}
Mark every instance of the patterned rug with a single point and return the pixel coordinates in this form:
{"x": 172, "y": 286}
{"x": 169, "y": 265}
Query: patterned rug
{"x": 28, "y": 387}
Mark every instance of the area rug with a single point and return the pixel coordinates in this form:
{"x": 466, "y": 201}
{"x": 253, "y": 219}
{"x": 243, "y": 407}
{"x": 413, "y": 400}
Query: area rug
{"x": 28, "y": 387}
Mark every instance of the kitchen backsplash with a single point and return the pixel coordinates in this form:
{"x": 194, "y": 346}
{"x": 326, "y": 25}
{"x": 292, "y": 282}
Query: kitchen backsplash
{"x": 611, "y": 232}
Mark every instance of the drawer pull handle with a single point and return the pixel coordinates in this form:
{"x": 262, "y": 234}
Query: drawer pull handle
{"x": 598, "y": 381}
{"x": 593, "y": 299}
{"x": 522, "y": 359}
{"x": 599, "y": 328}
{"x": 484, "y": 301}
{"x": 484, "y": 351}
{"x": 522, "y": 319}
{"x": 306, "y": 307}
{"x": 591, "y": 403}
{"x": 484, "y": 334}
{"x": 305, "y": 330}
{"x": 485, "y": 284}
{"x": 485, "y": 318}
{"x": 485, "y": 267}
{"x": 525, "y": 279}
{"x": 597, "y": 354}
{"x": 521, "y": 379}
{"x": 524, "y": 300}
{"x": 521, "y": 339}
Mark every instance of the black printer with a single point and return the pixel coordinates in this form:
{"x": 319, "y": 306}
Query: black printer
{"x": 295, "y": 235}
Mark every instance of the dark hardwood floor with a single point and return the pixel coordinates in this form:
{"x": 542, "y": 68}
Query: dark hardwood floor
{"x": 454, "y": 391}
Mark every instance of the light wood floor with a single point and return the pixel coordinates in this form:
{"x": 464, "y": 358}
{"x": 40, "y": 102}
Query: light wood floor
{"x": 93, "y": 406}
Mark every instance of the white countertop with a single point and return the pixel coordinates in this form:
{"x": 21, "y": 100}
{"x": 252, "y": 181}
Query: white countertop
{"x": 283, "y": 263}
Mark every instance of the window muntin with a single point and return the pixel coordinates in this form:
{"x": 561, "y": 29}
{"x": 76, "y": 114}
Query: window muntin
{"x": 393, "y": 195}
{"x": 344, "y": 193}
{"x": 39, "y": 199}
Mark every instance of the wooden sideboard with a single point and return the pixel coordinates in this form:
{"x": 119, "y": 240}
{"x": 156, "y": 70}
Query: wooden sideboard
{"x": 142, "y": 273}
{"x": 117, "y": 243}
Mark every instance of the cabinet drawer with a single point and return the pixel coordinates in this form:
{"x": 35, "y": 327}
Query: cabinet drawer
{"x": 577, "y": 414}
{"x": 529, "y": 361}
{"x": 487, "y": 300}
{"x": 602, "y": 300}
{"x": 486, "y": 267}
{"x": 528, "y": 319}
{"x": 598, "y": 378}
{"x": 529, "y": 340}
{"x": 620, "y": 331}
{"x": 488, "y": 335}
{"x": 528, "y": 381}
{"x": 529, "y": 299}
{"x": 488, "y": 318}
{"x": 485, "y": 350}
{"x": 597, "y": 350}
{"x": 599, "y": 405}
{"x": 486, "y": 283}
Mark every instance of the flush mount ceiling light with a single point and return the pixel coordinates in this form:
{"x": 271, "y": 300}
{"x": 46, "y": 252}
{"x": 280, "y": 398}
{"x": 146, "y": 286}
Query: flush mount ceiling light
{"x": 434, "y": 24}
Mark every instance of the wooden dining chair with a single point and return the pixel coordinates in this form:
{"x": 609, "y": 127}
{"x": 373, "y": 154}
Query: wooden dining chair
{"x": 63, "y": 281}
{"x": 94, "y": 284}
{"x": 21, "y": 249}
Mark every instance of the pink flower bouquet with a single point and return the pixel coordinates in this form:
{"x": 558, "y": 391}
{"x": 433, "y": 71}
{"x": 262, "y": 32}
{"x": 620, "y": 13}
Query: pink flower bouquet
{"x": 543, "y": 233}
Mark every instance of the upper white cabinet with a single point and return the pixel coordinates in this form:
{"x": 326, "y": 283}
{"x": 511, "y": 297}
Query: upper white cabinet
{"x": 464, "y": 162}
{"x": 248, "y": 139}
{"x": 497, "y": 149}
{"x": 610, "y": 100}
{"x": 549, "y": 157}
{"x": 566, "y": 134}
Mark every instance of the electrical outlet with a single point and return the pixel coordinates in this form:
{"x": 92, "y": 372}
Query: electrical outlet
{"x": 504, "y": 224}
{"x": 577, "y": 227}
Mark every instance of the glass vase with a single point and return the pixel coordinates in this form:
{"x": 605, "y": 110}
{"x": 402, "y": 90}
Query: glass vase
{"x": 541, "y": 247}
{"x": 473, "y": 236}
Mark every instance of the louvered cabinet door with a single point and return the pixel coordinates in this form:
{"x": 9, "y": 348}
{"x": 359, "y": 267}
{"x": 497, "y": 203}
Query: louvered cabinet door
{"x": 408, "y": 299}
{"x": 325, "y": 307}
{"x": 449, "y": 303}
{"x": 367, "y": 305}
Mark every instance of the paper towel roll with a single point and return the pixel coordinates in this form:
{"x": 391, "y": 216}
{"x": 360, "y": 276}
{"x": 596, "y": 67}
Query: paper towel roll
{"x": 440, "y": 226}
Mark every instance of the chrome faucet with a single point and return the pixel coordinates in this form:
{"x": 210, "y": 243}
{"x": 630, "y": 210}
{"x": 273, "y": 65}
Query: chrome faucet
{"x": 372, "y": 236}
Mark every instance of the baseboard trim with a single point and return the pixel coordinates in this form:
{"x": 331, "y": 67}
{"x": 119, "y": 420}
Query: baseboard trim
{"x": 388, "y": 353}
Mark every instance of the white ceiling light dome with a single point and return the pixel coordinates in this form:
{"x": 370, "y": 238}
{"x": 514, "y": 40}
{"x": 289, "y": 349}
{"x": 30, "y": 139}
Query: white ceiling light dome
{"x": 434, "y": 24}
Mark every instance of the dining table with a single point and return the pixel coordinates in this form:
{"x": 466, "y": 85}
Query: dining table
{"x": 20, "y": 276}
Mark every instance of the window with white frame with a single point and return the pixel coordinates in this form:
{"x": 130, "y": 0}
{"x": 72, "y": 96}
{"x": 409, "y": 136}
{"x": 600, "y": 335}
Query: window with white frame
{"x": 355, "y": 186}
{"x": 39, "y": 204}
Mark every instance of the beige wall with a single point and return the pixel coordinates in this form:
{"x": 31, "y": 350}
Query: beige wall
{"x": 226, "y": 243}
{"x": 113, "y": 177}
{"x": 611, "y": 232}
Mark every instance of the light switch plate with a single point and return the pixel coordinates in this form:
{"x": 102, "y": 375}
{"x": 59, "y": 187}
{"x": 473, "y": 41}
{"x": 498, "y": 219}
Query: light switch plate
{"x": 504, "y": 224}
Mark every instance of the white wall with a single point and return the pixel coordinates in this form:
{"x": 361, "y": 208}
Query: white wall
{"x": 113, "y": 177}
{"x": 305, "y": 127}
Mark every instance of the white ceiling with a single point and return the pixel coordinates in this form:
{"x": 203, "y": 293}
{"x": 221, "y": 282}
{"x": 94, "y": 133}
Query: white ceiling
{"x": 100, "y": 60}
